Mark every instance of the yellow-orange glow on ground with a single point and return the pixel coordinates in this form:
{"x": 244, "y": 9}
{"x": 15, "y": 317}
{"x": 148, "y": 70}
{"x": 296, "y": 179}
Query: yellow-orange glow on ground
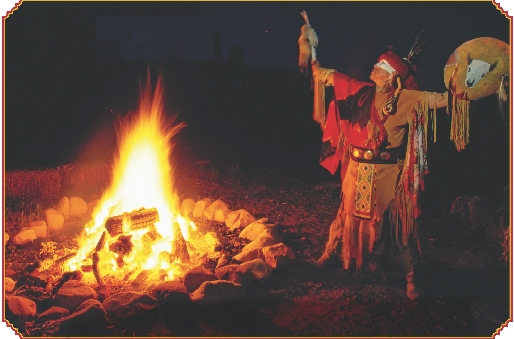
{"x": 142, "y": 178}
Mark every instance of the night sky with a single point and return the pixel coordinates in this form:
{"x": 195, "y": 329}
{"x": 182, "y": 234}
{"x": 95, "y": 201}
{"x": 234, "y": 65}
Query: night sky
{"x": 72, "y": 68}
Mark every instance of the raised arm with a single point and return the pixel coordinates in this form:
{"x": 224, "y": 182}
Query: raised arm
{"x": 322, "y": 74}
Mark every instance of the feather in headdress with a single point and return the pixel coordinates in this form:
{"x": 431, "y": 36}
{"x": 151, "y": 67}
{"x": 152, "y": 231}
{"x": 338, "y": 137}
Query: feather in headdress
{"x": 416, "y": 48}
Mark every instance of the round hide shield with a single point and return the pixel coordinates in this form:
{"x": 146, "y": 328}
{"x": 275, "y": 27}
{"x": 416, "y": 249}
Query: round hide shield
{"x": 474, "y": 70}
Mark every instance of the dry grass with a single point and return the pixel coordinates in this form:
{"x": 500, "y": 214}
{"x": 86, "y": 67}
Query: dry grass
{"x": 24, "y": 190}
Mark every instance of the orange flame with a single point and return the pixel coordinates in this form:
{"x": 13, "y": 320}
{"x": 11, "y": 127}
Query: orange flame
{"x": 142, "y": 178}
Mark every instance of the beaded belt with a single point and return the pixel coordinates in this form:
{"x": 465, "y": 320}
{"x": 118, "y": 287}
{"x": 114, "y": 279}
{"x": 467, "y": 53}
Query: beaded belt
{"x": 384, "y": 156}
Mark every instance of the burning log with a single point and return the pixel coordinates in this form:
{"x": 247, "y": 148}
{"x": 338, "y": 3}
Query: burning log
{"x": 101, "y": 242}
{"x": 136, "y": 220}
{"x": 141, "y": 278}
{"x": 96, "y": 271}
{"x": 129, "y": 274}
{"x": 180, "y": 247}
{"x": 86, "y": 268}
{"x": 66, "y": 257}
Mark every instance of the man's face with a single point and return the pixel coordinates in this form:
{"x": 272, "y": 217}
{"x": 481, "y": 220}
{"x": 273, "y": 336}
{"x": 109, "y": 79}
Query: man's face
{"x": 379, "y": 75}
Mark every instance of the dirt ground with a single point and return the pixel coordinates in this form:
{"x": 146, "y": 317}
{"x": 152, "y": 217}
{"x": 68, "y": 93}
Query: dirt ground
{"x": 467, "y": 281}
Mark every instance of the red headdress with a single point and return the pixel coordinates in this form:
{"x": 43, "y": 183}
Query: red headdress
{"x": 406, "y": 66}
{"x": 401, "y": 66}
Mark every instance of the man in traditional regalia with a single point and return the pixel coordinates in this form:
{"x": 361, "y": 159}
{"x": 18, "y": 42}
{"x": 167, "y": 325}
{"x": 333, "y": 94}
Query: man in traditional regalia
{"x": 377, "y": 132}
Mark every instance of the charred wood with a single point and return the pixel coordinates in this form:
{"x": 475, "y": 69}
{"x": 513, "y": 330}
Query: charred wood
{"x": 179, "y": 250}
{"x": 66, "y": 257}
{"x": 101, "y": 242}
{"x": 96, "y": 270}
{"x": 136, "y": 220}
{"x": 73, "y": 275}
{"x": 123, "y": 246}
{"x": 31, "y": 286}
{"x": 141, "y": 278}
{"x": 86, "y": 268}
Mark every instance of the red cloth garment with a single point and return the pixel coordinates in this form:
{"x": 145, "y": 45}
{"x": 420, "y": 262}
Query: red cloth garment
{"x": 335, "y": 133}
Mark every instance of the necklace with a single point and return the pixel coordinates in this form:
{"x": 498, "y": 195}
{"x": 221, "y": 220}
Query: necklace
{"x": 377, "y": 110}
{"x": 377, "y": 133}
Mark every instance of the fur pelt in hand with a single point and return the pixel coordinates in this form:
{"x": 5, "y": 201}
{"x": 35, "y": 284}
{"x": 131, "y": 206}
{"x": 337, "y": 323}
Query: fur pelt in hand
{"x": 306, "y": 41}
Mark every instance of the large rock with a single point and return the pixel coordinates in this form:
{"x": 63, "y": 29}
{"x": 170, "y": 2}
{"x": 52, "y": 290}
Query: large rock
{"x": 239, "y": 219}
{"x": 53, "y": 313}
{"x": 221, "y": 215}
{"x": 267, "y": 237}
{"x": 218, "y": 292}
{"x": 19, "y": 310}
{"x": 89, "y": 319}
{"x": 54, "y": 220}
{"x": 235, "y": 273}
{"x": 72, "y": 294}
{"x": 252, "y": 231}
{"x": 278, "y": 256}
{"x": 259, "y": 268}
{"x": 222, "y": 261}
{"x": 63, "y": 207}
{"x": 200, "y": 207}
{"x": 78, "y": 207}
{"x": 24, "y": 236}
{"x": 196, "y": 276}
{"x": 8, "y": 285}
{"x": 249, "y": 255}
{"x": 186, "y": 208}
{"x": 39, "y": 227}
{"x": 129, "y": 305}
{"x": 217, "y": 209}
{"x": 172, "y": 293}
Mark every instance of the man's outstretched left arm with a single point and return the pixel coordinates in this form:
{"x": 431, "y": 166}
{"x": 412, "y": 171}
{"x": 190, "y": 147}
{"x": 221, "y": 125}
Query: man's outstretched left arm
{"x": 437, "y": 100}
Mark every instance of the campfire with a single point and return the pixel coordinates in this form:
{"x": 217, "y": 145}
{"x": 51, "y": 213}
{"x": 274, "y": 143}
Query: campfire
{"x": 136, "y": 230}
{"x": 139, "y": 243}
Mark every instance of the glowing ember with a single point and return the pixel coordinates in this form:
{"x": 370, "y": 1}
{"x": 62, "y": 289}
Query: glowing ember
{"x": 142, "y": 181}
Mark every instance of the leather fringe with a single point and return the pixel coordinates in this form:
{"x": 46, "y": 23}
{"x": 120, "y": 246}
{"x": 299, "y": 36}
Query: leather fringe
{"x": 402, "y": 216}
{"x": 358, "y": 238}
{"x": 319, "y": 114}
{"x": 404, "y": 208}
{"x": 459, "y": 132}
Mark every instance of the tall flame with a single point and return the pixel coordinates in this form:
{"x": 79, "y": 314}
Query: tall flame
{"x": 142, "y": 178}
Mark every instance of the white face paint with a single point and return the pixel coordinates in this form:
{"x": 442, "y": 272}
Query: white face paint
{"x": 385, "y": 65}
{"x": 477, "y": 69}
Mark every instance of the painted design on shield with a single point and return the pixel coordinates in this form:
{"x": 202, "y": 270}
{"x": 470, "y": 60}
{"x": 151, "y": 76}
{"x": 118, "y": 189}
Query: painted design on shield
{"x": 475, "y": 69}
